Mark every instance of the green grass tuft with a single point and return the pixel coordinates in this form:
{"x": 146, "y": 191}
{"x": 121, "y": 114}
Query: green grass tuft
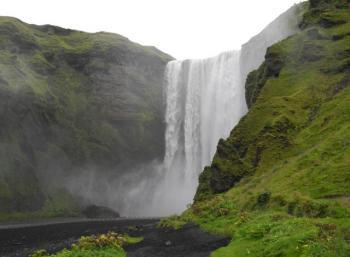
{"x": 105, "y": 245}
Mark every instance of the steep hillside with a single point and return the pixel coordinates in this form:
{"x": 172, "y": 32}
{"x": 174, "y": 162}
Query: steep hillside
{"x": 253, "y": 51}
{"x": 71, "y": 100}
{"x": 280, "y": 184}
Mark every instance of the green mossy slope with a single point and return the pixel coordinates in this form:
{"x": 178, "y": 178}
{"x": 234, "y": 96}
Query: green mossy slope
{"x": 280, "y": 184}
{"x": 71, "y": 100}
{"x": 297, "y": 125}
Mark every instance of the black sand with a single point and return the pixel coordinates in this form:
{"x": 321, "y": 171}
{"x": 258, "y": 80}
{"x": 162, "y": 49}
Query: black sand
{"x": 21, "y": 239}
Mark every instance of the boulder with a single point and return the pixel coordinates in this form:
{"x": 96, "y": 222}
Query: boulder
{"x": 99, "y": 212}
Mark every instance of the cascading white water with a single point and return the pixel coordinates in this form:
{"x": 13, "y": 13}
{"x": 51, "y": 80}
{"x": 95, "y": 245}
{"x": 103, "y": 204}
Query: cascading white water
{"x": 204, "y": 101}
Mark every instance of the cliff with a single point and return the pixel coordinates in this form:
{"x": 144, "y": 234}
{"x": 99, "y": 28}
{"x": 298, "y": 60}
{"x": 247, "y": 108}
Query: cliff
{"x": 70, "y": 101}
{"x": 280, "y": 184}
{"x": 253, "y": 52}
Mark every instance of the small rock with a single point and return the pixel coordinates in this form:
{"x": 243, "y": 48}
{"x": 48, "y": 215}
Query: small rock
{"x": 168, "y": 243}
{"x": 99, "y": 212}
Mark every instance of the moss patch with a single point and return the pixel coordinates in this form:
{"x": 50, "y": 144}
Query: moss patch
{"x": 106, "y": 245}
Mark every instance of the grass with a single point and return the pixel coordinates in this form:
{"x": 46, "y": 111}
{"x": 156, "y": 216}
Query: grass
{"x": 106, "y": 252}
{"x": 269, "y": 236}
{"x": 174, "y": 222}
{"x": 274, "y": 227}
{"x": 105, "y": 245}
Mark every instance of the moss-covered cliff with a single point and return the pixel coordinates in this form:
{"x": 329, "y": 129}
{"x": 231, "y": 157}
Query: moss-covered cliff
{"x": 298, "y": 107}
{"x": 280, "y": 184}
{"x": 71, "y": 100}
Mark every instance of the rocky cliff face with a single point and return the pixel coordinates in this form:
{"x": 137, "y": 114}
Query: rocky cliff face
{"x": 253, "y": 52}
{"x": 71, "y": 100}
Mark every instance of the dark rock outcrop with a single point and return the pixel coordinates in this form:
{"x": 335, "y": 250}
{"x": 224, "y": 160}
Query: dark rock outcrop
{"x": 99, "y": 212}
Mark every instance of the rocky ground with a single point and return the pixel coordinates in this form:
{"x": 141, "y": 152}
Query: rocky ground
{"x": 21, "y": 239}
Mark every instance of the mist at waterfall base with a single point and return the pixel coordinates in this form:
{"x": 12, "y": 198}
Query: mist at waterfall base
{"x": 204, "y": 99}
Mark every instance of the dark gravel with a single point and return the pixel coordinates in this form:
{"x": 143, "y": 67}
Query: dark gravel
{"x": 22, "y": 239}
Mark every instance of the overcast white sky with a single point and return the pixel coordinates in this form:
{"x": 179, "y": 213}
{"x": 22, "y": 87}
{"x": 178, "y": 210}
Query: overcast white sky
{"x": 182, "y": 28}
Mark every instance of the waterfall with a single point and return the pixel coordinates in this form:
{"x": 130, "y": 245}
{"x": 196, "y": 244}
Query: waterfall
{"x": 204, "y": 101}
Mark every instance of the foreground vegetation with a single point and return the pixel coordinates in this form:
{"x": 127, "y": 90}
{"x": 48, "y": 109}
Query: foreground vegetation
{"x": 280, "y": 184}
{"x": 105, "y": 245}
{"x": 299, "y": 228}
